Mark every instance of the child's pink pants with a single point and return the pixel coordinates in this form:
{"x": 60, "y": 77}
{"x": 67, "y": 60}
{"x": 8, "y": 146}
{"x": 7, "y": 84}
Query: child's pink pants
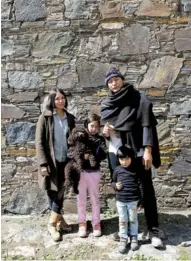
{"x": 89, "y": 181}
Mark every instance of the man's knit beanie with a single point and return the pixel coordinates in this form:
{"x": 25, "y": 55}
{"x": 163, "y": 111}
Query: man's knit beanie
{"x": 113, "y": 72}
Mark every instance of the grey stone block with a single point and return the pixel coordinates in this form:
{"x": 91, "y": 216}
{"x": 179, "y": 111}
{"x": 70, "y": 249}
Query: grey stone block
{"x": 183, "y": 44}
{"x": 5, "y": 10}
{"x": 25, "y": 80}
{"x": 153, "y": 9}
{"x": 28, "y": 199}
{"x": 75, "y": 8}
{"x": 180, "y": 108}
{"x": 29, "y": 10}
{"x": 183, "y": 39}
{"x": 20, "y": 132}
{"x": 7, "y": 171}
{"x": 162, "y": 72}
{"x": 189, "y": 81}
{"x": 91, "y": 74}
{"x": 134, "y": 40}
{"x": 180, "y": 169}
{"x": 6, "y": 47}
{"x": 23, "y": 96}
{"x": 50, "y": 44}
{"x": 10, "y": 111}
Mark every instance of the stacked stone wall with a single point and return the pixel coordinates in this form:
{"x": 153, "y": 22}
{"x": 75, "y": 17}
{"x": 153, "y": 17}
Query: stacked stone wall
{"x": 70, "y": 44}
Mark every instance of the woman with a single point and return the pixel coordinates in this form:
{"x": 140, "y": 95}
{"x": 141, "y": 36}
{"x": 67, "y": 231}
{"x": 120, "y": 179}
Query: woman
{"x": 128, "y": 119}
{"x": 53, "y": 128}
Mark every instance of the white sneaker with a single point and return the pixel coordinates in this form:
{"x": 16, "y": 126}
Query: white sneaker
{"x": 82, "y": 231}
{"x": 97, "y": 230}
{"x": 144, "y": 236}
{"x": 155, "y": 239}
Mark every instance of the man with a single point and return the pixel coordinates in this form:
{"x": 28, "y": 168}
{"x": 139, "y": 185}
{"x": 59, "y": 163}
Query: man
{"x": 128, "y": 119}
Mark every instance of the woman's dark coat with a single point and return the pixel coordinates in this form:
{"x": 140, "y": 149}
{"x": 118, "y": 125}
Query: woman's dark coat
{"x": 45, "y": 148}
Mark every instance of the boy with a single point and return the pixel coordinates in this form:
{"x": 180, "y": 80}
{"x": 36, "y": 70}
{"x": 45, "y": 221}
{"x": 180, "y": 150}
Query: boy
{"x": 128, "y": 195}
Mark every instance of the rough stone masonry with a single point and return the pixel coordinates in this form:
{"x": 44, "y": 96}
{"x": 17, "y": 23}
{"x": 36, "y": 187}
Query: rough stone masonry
{"x": 70, "y": 44}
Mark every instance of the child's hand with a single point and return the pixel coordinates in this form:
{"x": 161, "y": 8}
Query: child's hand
{"x": 45, "y": 171}
{"x": 140, "y": 205}
{"x": 119, "y": 185}
{"x": 106, "y": 130}
{"x": 86, "y": 156}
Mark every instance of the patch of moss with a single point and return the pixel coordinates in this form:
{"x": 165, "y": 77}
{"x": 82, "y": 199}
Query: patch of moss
{"x": 184, "y": 255}
{"x": 143, "y": 257}
{"x": 18, "y": 258}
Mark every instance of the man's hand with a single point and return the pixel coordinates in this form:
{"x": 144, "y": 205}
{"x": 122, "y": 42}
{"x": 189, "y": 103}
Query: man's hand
{"x": 147, "y": 158}
{"x": 45, "y": 171}
{"x": 119, "y": 185}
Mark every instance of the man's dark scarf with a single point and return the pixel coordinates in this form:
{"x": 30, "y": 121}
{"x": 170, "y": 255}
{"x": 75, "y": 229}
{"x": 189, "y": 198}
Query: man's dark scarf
{"x": 128, "y": 111}
{"x": 124, "y": 108}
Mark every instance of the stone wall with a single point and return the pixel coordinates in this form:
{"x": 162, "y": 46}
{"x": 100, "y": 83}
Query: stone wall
{"x": 70, "y": 44}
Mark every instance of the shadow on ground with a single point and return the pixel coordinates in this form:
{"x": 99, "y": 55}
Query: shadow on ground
{"x": 176, "y": 228}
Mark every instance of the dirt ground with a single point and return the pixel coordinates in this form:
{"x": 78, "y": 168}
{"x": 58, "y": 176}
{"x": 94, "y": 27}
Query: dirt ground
{"x": 26, "y": 238}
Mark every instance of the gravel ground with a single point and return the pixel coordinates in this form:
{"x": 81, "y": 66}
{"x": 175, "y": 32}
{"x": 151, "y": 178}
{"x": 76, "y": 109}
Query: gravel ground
{"x": 26, "y": 238}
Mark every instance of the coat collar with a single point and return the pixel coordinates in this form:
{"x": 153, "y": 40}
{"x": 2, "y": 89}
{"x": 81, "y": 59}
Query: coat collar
{"x": 47, "y": 113}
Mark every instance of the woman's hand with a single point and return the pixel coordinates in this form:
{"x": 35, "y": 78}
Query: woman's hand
{"x": 106, "y": 130}
{"x": 119, "y": 185}
{"x": 45, "y": 171}
{"x": 147, "y": 158}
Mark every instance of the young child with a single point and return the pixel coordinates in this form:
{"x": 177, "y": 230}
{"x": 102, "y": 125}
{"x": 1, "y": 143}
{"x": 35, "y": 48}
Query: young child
{"x": 128, "y": 195}
{"x": 90, "y": 178}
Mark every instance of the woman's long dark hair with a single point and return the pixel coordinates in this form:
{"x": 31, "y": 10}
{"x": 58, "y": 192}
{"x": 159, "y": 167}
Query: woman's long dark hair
{"x": 49, "y": 101}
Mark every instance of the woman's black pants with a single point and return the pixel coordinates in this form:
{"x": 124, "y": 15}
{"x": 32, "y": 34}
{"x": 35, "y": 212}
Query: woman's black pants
{"x": 55, "y": 202}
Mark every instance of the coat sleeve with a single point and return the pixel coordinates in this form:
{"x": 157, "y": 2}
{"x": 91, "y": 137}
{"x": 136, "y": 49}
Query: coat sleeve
{"x": 102, "y": 149}
{"x": 72, "y": 123}
{"x": 145, "y": 112}
{"x": 40, "y": 141}
{"x": 147, "y": 136}
{"x": 148, "y": 120}
{"x": 114, "y": 179}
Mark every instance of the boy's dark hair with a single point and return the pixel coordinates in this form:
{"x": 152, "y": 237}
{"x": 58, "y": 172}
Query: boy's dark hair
{"x": 125, "y": 152}
{"x": 91, "y": 117}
